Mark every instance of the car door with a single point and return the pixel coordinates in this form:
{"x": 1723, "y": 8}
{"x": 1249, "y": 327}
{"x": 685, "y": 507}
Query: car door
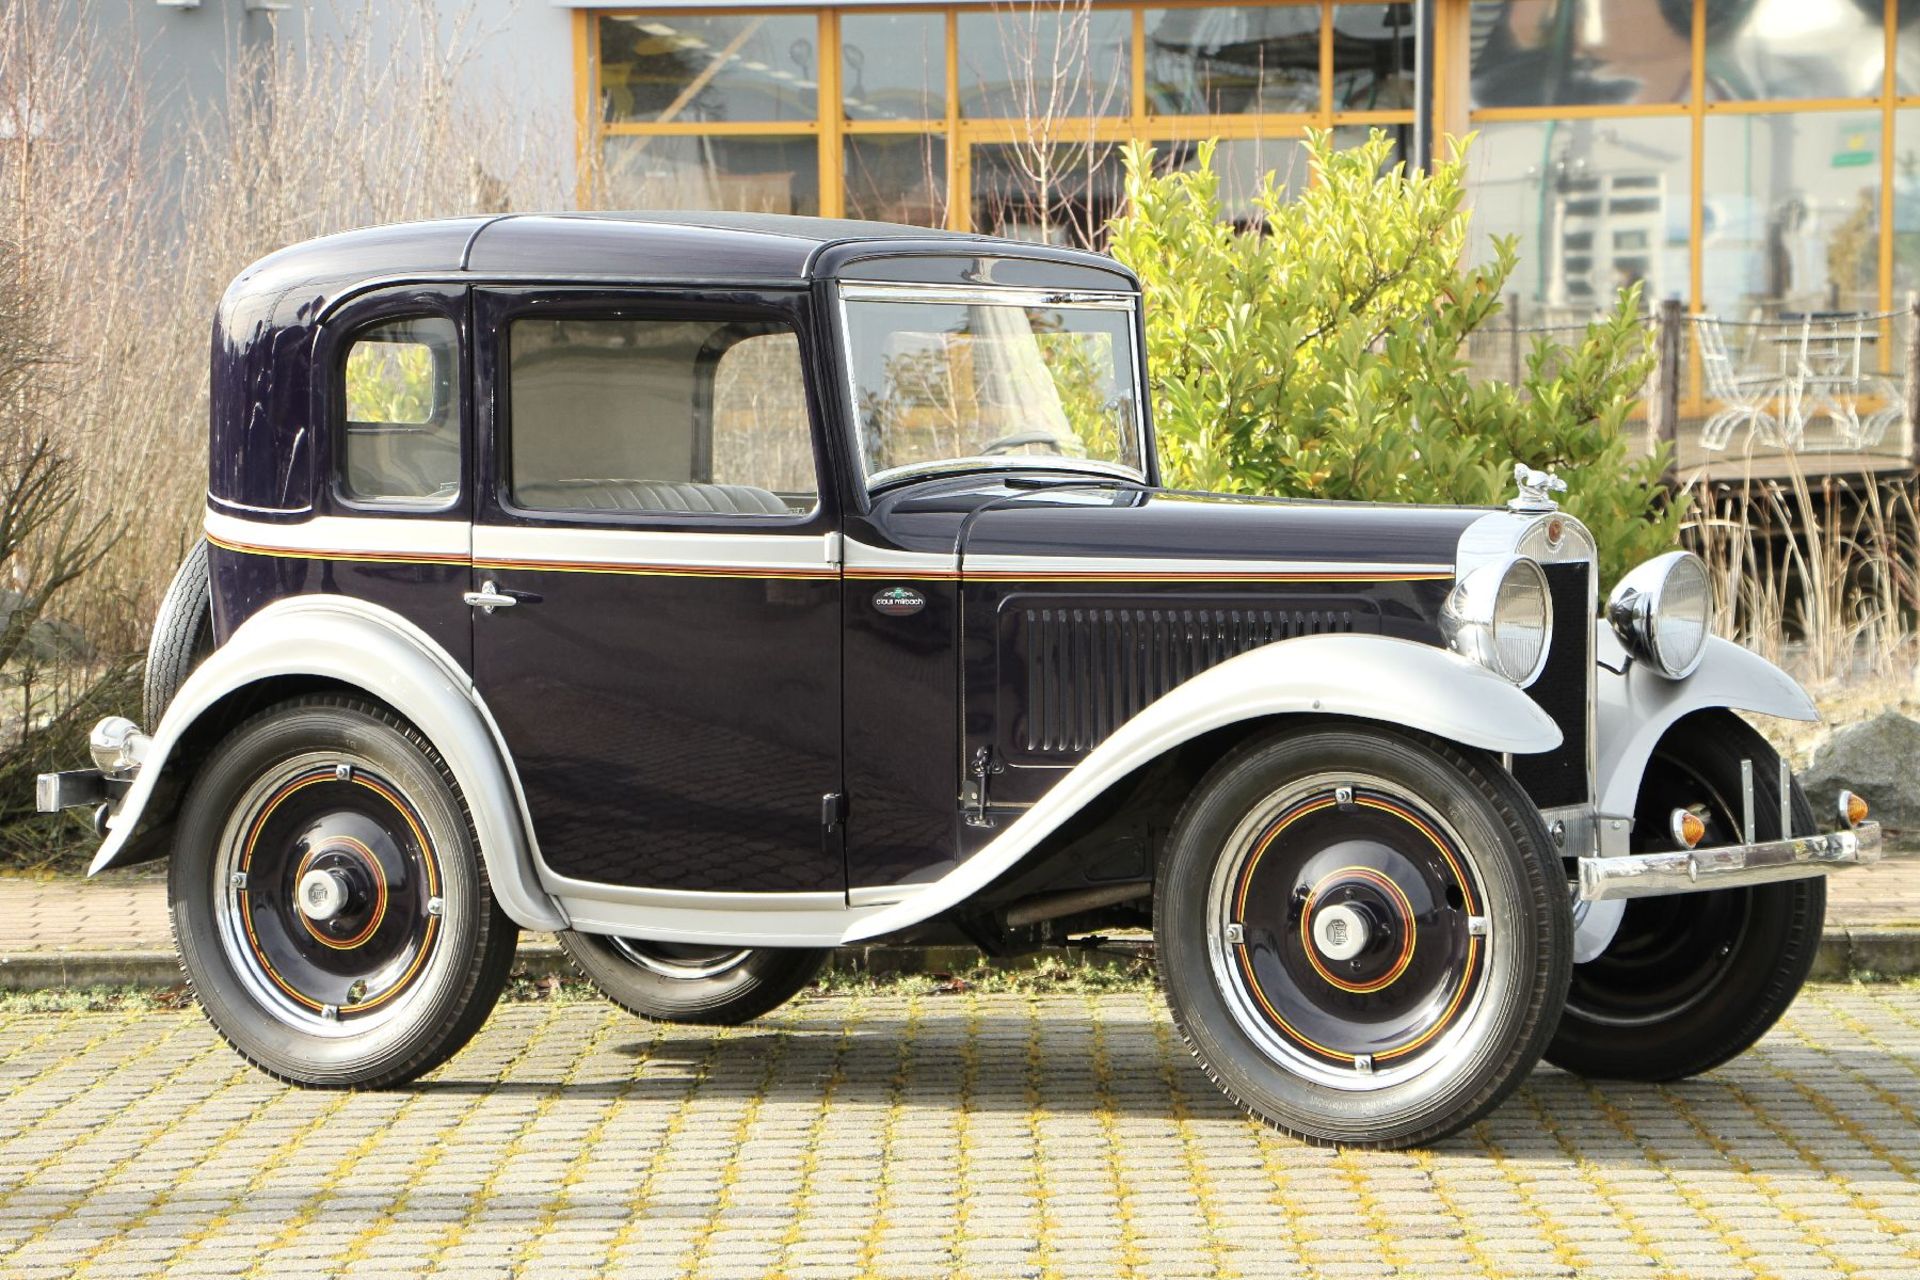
{"x": 662, "y": 647}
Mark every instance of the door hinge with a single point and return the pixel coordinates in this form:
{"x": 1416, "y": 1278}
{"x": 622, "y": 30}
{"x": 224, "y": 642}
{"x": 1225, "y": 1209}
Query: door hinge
{"x": 833, "y": 812}
{"x": 985, "y": 765}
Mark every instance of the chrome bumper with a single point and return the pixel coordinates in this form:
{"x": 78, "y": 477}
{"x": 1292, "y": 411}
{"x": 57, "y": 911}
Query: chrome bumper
{"x": 1649, "y": 875}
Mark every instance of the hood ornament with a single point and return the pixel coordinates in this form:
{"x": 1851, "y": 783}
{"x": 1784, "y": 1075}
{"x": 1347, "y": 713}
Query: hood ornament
{"x": 1536, "y": 489}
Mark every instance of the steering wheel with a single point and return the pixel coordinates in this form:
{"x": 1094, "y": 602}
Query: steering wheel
{"x": 1020, "y": 439}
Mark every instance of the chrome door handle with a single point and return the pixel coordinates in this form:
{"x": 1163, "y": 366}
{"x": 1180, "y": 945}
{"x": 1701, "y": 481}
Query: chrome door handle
{"x": 489, "y": 597}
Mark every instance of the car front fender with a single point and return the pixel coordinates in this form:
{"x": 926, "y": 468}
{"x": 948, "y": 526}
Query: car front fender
{"x": 1634, "y": 710}
{"x": 1359, "y": 677}
{"x": 363, "y": 646}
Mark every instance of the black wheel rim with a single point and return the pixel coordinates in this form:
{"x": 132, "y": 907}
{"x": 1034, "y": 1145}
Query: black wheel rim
{"x": 332, "y": 894}
{"x": 1668, "y": 952}
{"x": 1354, "y": 932}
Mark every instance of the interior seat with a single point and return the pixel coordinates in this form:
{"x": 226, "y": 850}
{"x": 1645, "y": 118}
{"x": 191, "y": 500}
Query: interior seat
{"x": 669, "y": 496}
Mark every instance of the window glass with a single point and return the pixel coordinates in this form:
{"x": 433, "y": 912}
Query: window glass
{"x": 991, "y": 384}
{"x": 897, "y": 178}
{"x": 1906, "y": 203}
{"x": 1533, "y": 53}
{"x": 658, "y": 416}
{"x": 749, "y": 174}
{"x": 1373, "y": 57}
{"x": 401, "y": 433}
{"x": 1791, "y": 221}
{"x": 672, "y": 68}
{"x": 1906, "y": 48}
{"x": 1035, "y": 62}
{"x": 1060, "y": 194}
{"x": 1233, "y": 61}
{"x": 1597, "y": 205}
{"x": 893, "y": 66}
{"x": 1242, "y": 166}
{"x": 1796, "y": 49}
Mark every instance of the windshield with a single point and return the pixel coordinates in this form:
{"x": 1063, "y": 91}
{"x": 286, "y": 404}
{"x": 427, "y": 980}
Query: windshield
{"x": 992, "y": 378}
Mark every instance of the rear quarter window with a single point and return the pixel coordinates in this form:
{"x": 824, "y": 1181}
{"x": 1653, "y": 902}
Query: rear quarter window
{"x": 400, "y": 429}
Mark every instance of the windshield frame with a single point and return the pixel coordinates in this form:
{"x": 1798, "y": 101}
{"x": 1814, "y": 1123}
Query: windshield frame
{"x": 1001, "y": 296}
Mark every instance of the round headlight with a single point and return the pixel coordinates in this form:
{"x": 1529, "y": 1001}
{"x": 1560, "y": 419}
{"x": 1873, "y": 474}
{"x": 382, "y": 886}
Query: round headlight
{"x": 1500, "y": 617}
{"x": 1661, "y": 611}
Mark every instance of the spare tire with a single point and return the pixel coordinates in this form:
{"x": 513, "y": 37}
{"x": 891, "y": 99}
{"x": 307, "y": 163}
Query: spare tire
{"x": 182, "y": 634}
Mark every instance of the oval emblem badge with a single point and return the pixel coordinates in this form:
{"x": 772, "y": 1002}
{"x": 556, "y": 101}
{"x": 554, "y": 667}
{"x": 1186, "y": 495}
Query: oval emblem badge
{"x": 899, "y": 602}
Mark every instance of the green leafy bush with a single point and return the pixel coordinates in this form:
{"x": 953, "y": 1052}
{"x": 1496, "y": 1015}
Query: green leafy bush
{"x": 1325, "y": 356}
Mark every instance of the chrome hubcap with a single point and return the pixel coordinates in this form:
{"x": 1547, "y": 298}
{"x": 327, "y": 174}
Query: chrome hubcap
{"x": 684, "y": 961}
{"x": 1341, "y": 932}
{"x": 323, "y": 895}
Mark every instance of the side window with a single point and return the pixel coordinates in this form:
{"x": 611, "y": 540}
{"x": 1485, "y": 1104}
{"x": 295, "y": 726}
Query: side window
{"x": 658, "y": 416}
{"x": 401, "y": 434}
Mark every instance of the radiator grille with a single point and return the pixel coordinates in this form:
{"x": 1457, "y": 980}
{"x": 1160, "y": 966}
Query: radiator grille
{"x": 1559, "y": 777}
{"x": 1090, "y": 670}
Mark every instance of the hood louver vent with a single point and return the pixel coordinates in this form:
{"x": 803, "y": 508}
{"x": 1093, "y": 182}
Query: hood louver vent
{"x": 1088, "y": 670}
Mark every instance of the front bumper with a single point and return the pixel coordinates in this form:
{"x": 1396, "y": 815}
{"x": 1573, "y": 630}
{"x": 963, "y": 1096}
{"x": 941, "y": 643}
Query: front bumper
{"x": 1731, "y": 866}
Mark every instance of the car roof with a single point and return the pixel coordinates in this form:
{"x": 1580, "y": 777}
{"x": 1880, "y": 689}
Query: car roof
{"x": 653, "y": 247}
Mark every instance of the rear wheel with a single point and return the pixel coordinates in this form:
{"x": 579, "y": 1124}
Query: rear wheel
{"x": 328, "y": 898}
{"x": 1360, "y": 934}
{"x": 685, "y": 982}
{"x": 1692, "y": 980}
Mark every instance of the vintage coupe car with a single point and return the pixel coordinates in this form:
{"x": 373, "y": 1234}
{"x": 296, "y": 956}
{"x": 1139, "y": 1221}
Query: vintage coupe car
{"x": 716, "y": 590}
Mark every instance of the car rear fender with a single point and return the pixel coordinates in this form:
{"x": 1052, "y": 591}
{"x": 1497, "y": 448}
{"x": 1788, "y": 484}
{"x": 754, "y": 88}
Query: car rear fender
{"x": 1361, "y": 677}
{"x": 343, "y": 641}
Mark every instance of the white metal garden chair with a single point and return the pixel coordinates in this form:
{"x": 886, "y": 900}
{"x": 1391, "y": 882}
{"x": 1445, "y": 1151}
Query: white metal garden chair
{"x": 1745, "y": 399}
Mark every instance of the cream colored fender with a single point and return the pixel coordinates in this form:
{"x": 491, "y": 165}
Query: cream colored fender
{"x": 1631, "y": 714}
{"x": 1394, "y": 682}
{"x": 1633, "y": 711}
{"x": 374, "y": 649}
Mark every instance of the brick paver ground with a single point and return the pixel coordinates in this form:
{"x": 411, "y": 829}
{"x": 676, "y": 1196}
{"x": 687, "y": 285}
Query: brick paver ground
{"x": 118, "y": 912}
{"x": 890, "y": 1135}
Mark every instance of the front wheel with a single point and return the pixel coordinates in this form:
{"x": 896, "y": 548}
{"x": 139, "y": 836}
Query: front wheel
{"x": 682, "y": 982}
{"x": 329, "y": 901}
{"x": 1693, "y": 979}
{"x": 1361, "y": 934}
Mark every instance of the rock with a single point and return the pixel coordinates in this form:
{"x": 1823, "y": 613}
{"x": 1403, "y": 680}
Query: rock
{"x": 1879, "y": 758}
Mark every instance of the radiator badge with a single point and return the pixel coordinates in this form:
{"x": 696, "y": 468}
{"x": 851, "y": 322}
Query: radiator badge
{"x": 899, "y": 602}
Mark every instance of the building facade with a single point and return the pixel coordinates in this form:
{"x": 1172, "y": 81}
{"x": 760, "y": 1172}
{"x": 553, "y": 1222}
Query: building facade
{"x": 1749, "y": 157}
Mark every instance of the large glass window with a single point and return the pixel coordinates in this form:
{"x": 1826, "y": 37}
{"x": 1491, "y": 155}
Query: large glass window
{"x": 1906, "y": 49}
{"x": 1783, "y": 49}
{"x": 1373, "y": 57}
{"x": 893, "y": 66}
{"x": 677, "y": 68}
{"x": 985, "y": 380}
{"x": 1792, "y": 213}
{"x": 676, "y": 171}
{"x": 1906, "y": 202}
{"x": 893, "y": 177}
{"x": 1531, "y": 53}
{"x": 1035, "y": 63}
{"x": 1596, "y": 204}
{"x": 1233, "y": 61}
{"x": 1052, "y": 193}
{"x": 1001, "y": 118}
{"x": 665, "y": 416}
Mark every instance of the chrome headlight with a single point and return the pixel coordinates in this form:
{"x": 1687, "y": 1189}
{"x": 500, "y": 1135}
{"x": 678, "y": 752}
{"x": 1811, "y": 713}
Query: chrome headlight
{"x": 1661, "y": 613}
{"x": 1499, "y": 615}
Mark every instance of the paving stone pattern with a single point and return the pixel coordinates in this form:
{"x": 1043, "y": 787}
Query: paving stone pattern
{"x": 893, "y": 1135}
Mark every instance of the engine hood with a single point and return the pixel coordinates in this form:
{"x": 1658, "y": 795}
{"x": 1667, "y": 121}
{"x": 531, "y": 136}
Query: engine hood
{"x": 1153, "y": 533}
